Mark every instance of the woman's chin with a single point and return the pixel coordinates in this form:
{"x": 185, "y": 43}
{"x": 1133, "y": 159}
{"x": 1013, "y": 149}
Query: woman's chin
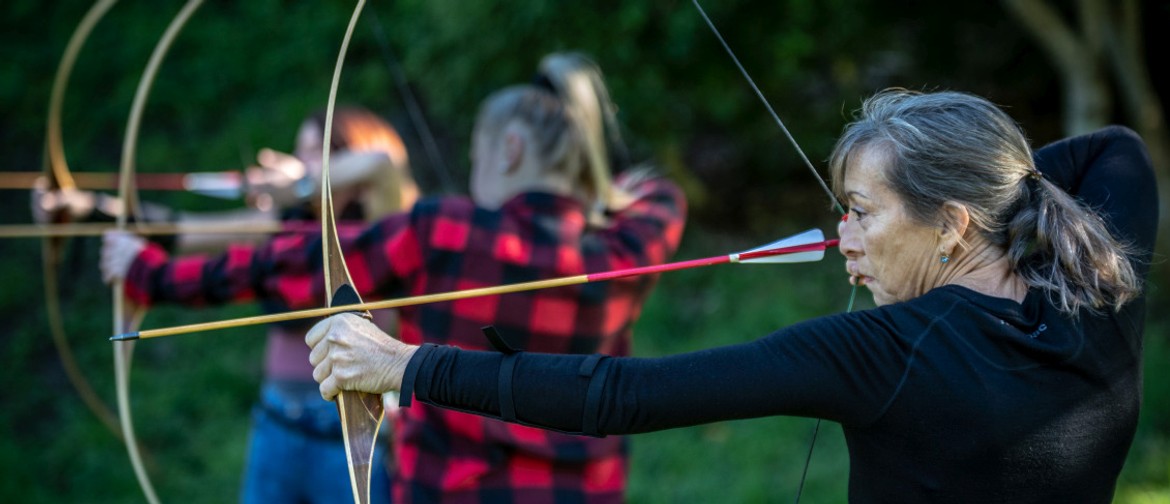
{"x": 880, "y": 297}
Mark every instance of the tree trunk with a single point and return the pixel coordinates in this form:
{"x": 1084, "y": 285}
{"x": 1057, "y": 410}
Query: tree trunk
{"x": 1142, "y": 105}
{"x": 1109, "y": 39}
{"x": 1087, "y": 101}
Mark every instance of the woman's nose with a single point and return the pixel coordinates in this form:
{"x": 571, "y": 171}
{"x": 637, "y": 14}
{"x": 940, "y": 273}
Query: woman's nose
{"x": 850, "y": 245}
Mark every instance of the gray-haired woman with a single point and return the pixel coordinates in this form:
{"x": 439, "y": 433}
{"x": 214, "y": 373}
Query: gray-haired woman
{"x": 1002, "y": 363}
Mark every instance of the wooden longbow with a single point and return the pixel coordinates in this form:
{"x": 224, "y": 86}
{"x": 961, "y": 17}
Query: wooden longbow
{"x": 126, "y": 316}
{"x": 56, "y": 173}
{"x": 361, "y": 413}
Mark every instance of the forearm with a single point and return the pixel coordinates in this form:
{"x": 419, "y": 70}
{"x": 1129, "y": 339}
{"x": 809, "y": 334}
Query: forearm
{"x": 351, "y": 168}
{"x": 232, "y": 221}
{"x": 195, "y": 280}
{"x": 281, "y": 273}
{"x": 592, "y": 395}
{"x": 471, "y": 381}
{"x": 599, "y": 395}
{"x": 284, "y": 272}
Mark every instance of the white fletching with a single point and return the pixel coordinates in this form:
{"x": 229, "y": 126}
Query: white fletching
{"x": 805, "y": 238}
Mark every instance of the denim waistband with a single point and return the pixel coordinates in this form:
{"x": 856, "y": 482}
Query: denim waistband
{"x": 299, "y": 406}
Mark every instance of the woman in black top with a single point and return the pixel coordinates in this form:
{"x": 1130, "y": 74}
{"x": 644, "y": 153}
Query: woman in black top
{"x": 1002, "y": 363}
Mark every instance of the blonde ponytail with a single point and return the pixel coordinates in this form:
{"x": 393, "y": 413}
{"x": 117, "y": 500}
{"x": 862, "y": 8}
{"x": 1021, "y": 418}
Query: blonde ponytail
{"x": 578, "y": 82}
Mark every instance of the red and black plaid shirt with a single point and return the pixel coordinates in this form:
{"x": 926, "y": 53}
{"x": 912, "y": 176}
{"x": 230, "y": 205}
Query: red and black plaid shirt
{"x": 448, "y": 244}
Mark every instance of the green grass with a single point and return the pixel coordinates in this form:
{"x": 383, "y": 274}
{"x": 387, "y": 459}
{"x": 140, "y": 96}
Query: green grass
{"x": 748, "y": 460}
{"x": 193, "y": 394}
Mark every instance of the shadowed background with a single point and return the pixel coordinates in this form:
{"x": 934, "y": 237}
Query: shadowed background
{"x": 243, "y": 74}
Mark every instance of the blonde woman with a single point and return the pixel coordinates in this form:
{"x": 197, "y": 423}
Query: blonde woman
{"x": 542, "y": 205}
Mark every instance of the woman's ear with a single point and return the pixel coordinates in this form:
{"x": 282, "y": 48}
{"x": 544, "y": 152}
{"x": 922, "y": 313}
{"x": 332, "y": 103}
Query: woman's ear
{"x": 956, "y": 220}
{"x": 515, "y": 143}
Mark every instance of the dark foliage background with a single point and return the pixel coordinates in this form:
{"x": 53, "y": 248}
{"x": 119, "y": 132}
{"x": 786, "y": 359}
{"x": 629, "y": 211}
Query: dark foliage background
{"x": 243, "y": 74}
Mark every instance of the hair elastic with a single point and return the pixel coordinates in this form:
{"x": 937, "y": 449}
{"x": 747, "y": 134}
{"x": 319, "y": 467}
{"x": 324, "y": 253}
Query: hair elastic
{"x": 542, "y": 81}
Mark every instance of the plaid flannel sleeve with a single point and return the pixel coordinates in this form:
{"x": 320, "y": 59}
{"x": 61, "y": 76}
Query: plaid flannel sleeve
{"x": 284, "y": 273}
{"x": 648, "y": 231}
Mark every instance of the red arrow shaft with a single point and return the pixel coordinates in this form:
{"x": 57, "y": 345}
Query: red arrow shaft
{"x": 694, "y": 263}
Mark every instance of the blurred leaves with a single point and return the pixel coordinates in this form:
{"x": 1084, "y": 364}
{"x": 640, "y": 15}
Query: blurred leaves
{"x": 243, "y": 74}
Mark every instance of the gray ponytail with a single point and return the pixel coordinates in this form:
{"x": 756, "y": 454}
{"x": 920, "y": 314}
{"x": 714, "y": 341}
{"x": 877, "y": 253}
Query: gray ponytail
{"x": 950, "y": 146}
{"x": 1064, "y": 248}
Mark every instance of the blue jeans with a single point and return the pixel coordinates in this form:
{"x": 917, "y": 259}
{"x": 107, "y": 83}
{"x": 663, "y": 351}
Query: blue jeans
{"x": 296, "y": 454}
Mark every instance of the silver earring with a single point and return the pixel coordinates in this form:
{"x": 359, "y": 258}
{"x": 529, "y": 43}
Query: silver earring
{"x": 944, "y": 258}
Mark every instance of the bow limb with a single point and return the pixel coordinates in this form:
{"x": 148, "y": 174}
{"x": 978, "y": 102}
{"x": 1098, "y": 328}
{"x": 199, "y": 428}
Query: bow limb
{"x": 821, "y": 180}
{"x": 361, "y": 413}
{"x": 125, "y": 315}
{"x": 57, "y": 175}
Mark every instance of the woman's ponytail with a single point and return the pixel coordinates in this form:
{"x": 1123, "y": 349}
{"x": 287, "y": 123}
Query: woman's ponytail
{"x": 579, "y": 83}
{"x": 1064, "y": 248}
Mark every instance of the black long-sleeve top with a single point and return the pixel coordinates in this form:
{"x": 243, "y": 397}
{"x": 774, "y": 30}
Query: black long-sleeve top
{"x": 954, "y": 396}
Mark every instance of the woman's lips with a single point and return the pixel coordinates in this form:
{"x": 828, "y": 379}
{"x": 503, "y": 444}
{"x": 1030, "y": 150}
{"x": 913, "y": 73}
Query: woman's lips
{"x": 855, "y": 277}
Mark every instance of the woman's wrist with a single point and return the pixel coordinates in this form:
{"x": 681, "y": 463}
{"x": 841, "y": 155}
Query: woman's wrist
{"x": 403, "y": 354}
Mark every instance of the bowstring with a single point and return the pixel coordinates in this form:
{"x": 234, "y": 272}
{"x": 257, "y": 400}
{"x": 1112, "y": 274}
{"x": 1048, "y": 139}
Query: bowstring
{"x": 820, "y": 180}
{"x": 418, "y": 118}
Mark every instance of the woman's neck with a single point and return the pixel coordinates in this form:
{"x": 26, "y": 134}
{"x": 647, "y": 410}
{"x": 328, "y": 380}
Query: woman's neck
{"x": 986, "y": 269}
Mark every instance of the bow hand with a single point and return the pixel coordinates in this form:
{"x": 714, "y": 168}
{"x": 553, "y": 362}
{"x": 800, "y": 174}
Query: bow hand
{"x": 51, "y": 206}
{"x": 279, "y": 181}
{"x": 119, "y": 250}
{"x": 350, "y": 352}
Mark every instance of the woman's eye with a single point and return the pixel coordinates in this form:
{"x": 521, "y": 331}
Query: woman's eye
{"x": 858, "y": 213}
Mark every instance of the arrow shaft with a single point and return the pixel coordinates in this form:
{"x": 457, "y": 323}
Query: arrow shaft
{"x": 708, "y": 261}
{"x": 144, "y": 181}
{"x": 646, "y": 270}
{"x": 152, "y": 229}
{"x": 467, "y": 293}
